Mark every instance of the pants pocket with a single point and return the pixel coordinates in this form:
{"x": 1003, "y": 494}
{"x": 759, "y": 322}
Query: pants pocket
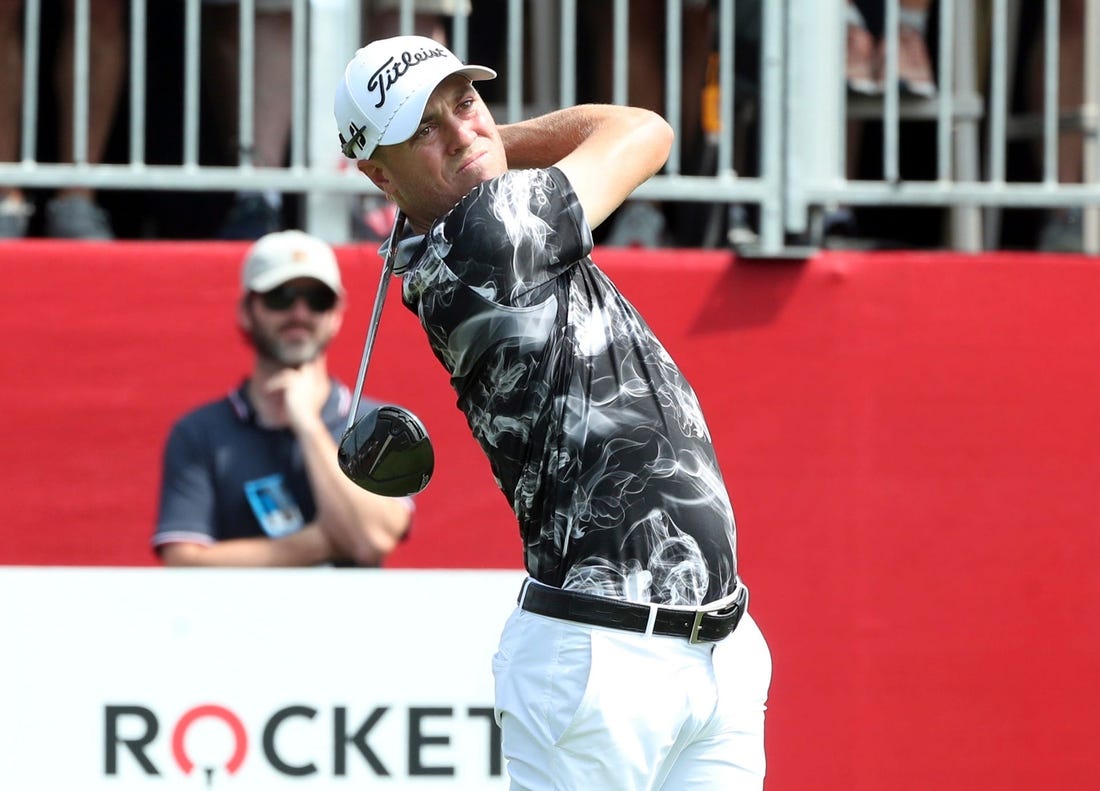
{"x": 540, "y": 674}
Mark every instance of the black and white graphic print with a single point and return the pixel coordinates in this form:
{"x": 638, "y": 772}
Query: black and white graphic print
{"x": 592, "y": 431}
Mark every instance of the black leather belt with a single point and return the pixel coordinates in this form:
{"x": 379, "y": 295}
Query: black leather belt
{"x": 698, "y": 626}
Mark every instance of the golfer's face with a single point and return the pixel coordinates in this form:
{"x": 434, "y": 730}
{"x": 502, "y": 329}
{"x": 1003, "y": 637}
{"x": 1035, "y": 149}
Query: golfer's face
{"x": 455, "y": 148}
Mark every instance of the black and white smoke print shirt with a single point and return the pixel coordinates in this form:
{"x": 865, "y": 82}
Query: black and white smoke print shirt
{"x": 593, "y": 433}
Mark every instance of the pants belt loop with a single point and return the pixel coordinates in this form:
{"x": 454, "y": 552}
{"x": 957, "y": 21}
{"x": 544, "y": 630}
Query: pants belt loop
{"x": 695, "y": 624}
{"x": 652, "y": 619}
{"x": 523, "y": 592}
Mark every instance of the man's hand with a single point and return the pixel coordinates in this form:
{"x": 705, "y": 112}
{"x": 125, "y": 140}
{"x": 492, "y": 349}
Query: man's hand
{"x": 298, "y": 394}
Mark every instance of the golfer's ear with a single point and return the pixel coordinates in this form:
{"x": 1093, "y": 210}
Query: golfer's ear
{"x": 375, "y": 172}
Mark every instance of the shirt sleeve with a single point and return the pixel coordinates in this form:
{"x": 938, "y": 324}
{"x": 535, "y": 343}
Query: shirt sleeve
{"x": 187, "y": 503}
{"x": 572, "y": 214}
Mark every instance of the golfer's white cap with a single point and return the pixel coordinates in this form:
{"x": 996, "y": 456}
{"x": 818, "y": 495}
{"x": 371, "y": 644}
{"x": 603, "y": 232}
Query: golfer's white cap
{"x": 381, "y": 98}
{"x": 282, "y": 256}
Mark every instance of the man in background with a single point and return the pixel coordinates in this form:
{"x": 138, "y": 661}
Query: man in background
{"x": 252, "y": 479}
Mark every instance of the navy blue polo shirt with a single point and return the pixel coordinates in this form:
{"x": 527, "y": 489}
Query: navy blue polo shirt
{"x": 225, "y": 476}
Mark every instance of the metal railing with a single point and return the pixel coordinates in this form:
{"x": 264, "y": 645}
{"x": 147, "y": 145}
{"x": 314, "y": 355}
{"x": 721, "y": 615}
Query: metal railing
{"x": 797, "y": 103}
{"x": 970, "y": 177}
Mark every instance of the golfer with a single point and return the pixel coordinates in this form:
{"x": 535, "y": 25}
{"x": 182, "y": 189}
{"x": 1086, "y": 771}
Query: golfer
{"x": 630, "y": 661}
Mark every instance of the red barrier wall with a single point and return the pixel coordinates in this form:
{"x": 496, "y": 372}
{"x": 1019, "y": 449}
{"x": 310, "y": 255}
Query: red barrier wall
{"x": 910, "y": 441}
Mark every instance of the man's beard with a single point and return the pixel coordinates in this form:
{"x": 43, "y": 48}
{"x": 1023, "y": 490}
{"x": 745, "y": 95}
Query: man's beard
{"x": 288, "y": 355}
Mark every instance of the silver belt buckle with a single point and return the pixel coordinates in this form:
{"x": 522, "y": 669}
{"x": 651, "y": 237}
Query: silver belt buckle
{"x": 694, "y": 638}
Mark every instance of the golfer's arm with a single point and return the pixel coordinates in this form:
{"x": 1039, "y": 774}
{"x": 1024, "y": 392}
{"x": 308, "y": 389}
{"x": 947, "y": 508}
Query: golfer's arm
{"x": 605, "y": 150}
{"x": 364, "y": 527}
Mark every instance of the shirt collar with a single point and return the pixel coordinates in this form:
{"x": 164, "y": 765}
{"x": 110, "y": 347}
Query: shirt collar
{"x": 405, "y": 254}
{"x": 336, "y": 406}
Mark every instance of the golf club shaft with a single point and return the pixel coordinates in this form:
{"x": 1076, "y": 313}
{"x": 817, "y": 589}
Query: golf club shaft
{"x": 376, "y": 316}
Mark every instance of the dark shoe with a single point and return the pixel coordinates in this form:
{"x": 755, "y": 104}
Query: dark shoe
{"x": 250, "y": 217}
{"x": 740, "y": 232}
{"x": 15, "y": 214}
{"x": 1063, "y": 232}
{"x": 840, "y": 231}
{"x": 638, "y": 224}
{"x": 76, "y": 217}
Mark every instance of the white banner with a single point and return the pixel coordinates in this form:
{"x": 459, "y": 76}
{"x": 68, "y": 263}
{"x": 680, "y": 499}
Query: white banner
{"x": 249, "y": 680}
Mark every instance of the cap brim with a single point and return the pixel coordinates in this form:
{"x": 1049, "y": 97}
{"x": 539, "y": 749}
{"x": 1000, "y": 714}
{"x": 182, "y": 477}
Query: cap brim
{"x": 274, "y": 279}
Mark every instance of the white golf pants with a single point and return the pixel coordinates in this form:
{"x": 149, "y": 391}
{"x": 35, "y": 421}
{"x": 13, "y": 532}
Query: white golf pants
{"x": 584, "y": 708}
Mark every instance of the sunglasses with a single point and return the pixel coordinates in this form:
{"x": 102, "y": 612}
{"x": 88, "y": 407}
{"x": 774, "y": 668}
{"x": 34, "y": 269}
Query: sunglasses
{"x": 319, "y": 299}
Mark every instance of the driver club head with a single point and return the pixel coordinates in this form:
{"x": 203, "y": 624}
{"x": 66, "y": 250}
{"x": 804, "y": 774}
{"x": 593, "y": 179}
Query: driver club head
{"x": 388, "y": 452}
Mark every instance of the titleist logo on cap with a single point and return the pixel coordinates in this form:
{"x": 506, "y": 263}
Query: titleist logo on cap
{"x": 395, "y": 68}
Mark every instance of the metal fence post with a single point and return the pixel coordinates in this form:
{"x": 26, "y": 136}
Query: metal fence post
{"x": 965, "y": 221}
{"x": 332, "y": 41}
{"x": 1090, "y": 227}
{"x": 815, "y": 111}
{"x": 773, "y": 106}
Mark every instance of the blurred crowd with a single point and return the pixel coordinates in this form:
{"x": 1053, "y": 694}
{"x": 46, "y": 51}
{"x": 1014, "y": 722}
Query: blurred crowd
{"x": 85, "y": 214}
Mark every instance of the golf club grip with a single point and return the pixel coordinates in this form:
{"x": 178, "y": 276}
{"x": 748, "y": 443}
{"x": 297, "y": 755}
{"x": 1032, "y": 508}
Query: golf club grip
{"x": 375, "y": 318}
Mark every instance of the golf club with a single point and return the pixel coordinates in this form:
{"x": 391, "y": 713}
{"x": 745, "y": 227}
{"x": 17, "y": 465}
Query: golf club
{"x": 387, "y": 451}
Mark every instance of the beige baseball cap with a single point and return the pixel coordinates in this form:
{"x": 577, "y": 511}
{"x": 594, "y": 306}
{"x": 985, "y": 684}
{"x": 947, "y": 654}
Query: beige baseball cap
{"x": 285, "y": 255}
{"x": 385, "y": 87}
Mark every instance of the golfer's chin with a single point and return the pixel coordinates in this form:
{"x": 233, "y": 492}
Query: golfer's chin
{"x": 479, "y": 170}
{"x": 458, "y": 189}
